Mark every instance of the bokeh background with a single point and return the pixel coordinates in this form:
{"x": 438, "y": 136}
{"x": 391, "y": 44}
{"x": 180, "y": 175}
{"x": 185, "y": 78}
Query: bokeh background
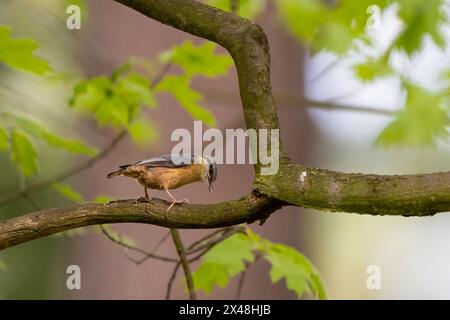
{"x": 412, "y": 253}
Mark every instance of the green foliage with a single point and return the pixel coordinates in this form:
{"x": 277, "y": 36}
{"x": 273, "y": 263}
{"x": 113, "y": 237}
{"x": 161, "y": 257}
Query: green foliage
{"x": 421, "y": 121}
{"x": 23, "y": 153}
{"x": 373, "y": 69}
{"x": 327, "y": 27}
{"x": 115, "y": 100}
{"x": 18, "y": 53}
{"x": 16, "y": 137}
{"x": 102, "y": 199}
{"x": 249, "y": 9}
{"x": 198, "y": 60}
{"x": 340, "y": 27}
{"x": 68, "y": 192}
{"x": 229, "y": 258}
{"x": 300, "y": 275}
{"x": 420, "y": 18}
{"x": 179, "y": 87}
{"x": 335, "y": 27}
{"x": 38, "y": 131}
{"x": 143, "y": 132}
{"x": 219, "y": 265}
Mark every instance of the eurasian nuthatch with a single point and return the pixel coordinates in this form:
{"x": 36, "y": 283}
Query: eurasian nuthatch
{"x": 170, "y": 171}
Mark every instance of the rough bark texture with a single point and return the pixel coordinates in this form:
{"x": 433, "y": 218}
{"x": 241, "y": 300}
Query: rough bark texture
{"x": 50, "y": 221}
{"x": 406, "y": 195}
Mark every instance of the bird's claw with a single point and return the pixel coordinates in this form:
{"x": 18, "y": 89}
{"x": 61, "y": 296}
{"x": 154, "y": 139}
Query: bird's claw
{"x": 142, "y": 200}
{"x": 176, "y": 202}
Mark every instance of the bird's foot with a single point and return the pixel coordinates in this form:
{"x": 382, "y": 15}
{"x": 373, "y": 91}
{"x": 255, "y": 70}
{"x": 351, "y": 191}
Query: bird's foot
{"x": 142, "y": 200}
{"x": 176, "y": 202}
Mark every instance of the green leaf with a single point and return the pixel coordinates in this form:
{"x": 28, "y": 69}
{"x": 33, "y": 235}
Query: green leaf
{"x": 219, "y": 265}
{"x": 299, "y": 273}
{"x": 372, "y": 69}
{"x": 228, "y": 259}
{"x": 331, "y": 27}
{"x": 112, "y": 111}
{"x": 18, "y": 53}
{"x": 209, "y": 275}
{"x": 143, "y": 132}
{"x": 198, "y": 60}
{"x": 88, "y": 94}
{"x": 74, "y": 146}
{"x": 68, "y": 192}
{"x": 333, "y": 36}
{"x": 4, "y": 139}
{"x": 102, "y": 199}
{"x": 248, "y": 9}
{"x": 179, "y": 87}
{"x": 420, "y": 17}
{"x": 136, "y": 89}
{"x": 39, "y": 131}
{"x": 23, "y": 153}
{"x": 420, "y": 123}
{"x": 113, "y": 101}
{"x": 303, "y": 17}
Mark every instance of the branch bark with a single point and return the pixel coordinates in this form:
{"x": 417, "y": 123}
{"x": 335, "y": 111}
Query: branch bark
{"x": 50, "y": 221}
{"x": 294, "y": 184}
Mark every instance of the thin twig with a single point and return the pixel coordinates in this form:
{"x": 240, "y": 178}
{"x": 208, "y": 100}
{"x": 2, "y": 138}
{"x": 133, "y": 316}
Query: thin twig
{"x": 325, "y": 70}
{"x": 241, "y": 283}
{"x": 161, "y": 74}
{"x": 146, "y": 257}
{"x": 207, "y": 237}
{"x": 192, "y": 249}
{"x": 32, "y": 202}
{"x": 133, "y": 248}
{"x": 184, "y": 262}
{"x": 171, "y": 280}
{"x": 243, "y": 277}
{"x": 160, "y": 242}
{"x": 294, "y": 100}
{"x": 226, "y": 233}
{"x": 234, "y": 4}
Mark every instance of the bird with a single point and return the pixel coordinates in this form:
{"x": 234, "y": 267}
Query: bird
{"x": 169, "y": 171}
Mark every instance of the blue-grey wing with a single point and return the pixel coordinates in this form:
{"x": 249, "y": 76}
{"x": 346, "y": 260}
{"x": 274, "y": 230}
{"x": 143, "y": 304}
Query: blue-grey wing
{"x": 169, "y": 161}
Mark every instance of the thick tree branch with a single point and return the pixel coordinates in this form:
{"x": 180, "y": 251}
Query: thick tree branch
{"x": 404, "y": 195}
{"x": 50, "y": 221}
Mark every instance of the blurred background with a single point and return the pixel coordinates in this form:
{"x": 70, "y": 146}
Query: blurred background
{"x": 331, "y": 115}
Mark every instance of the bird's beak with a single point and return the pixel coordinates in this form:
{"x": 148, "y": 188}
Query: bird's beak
{"x": 210, "y": 187}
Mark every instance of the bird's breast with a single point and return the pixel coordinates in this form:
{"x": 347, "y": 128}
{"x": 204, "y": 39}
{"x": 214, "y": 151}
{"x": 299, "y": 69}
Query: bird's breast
{"x": 168, "y": 178}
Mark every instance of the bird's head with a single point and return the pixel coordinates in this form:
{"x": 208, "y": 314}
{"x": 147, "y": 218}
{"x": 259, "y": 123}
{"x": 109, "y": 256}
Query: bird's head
{"x": 209, "y": 172}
